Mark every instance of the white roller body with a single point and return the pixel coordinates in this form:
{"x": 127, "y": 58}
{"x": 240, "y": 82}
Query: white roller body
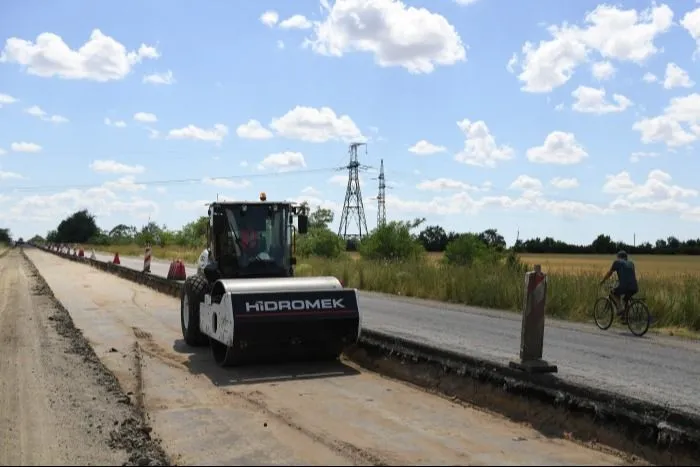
{"x": 278, "y": 284}
{"x": 216, "y": 319}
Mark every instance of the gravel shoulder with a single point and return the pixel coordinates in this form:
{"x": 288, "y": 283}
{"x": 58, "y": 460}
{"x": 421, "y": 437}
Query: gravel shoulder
{"x": 58, "y": 404}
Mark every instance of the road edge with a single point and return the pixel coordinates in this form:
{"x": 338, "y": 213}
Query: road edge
{"x": 653, "y": 432}
{"x": 135, "y": 438}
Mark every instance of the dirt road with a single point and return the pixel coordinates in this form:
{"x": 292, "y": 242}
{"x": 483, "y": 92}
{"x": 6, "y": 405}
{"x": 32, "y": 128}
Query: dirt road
{"x": 320, "y": 414}
{"x": 58, "y": 405}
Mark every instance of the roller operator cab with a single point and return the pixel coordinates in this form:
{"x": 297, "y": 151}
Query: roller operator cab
{"x": 245, "y": 301}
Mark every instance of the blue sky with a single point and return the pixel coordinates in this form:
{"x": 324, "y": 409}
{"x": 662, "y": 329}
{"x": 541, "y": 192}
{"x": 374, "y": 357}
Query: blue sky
{"x": 476, "y": 128}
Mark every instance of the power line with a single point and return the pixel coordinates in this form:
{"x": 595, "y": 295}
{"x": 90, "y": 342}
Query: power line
{"x": 170, "y": 181}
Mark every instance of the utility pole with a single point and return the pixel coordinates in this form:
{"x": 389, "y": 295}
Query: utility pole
{"x": 353, "y": 205}
{"x": 381, "y": 198}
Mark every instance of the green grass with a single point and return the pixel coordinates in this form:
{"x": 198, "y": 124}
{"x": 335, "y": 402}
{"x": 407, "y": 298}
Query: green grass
{"x": 670, "y": 284}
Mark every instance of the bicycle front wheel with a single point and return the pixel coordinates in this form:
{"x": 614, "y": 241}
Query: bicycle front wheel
{"x": 638, "y": 318}
{"x": 603, "y": 313}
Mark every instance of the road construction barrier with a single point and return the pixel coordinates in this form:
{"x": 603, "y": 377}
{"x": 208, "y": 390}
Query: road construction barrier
{"x": 532, "y": 331}
{"x": 116, "y": 259}
{"x": 147, "y": 259}
{"x": 92, "y": 255}
{"x": 177, "y": 271}
{"x": 81, "y": 253}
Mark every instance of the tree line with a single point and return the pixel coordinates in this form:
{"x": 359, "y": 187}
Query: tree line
{"x": 81, "y": 227}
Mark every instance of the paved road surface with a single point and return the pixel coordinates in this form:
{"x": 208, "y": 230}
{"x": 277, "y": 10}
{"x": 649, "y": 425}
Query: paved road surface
{"x": 56, "y": 405}
{"x": 655, "y": 368}
{"x": 281, "y": 414}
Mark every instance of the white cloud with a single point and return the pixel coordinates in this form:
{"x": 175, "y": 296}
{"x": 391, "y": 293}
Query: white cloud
{"x": 691, "y": 22}
{"x": 396, "y": 34}
{"x": 253, "y": 130}
{"x": 118, "y": 123}
{"x": 649, "y": 77}
{"x": 127, "y": 183}
{"x": 316, "y": 125}
{"x": 295, "y": 22}
{"x": 625, "y": 35}
{"x": 564, "y": 183}
{"x": 101, "y": 58}
{"x": 444, "y": 184}
{"x": 668, "y": 127}
{"x": 284, "y": 161}
{"x": 480, "y": 147}
{"x": 269, "y": 18}
{"x": 227, "y": 183}
{"x": 558, "y": 148}
{"x": 603, "y": 70}
{"x": 677, "y": 77}
{"x": 36, "y": 111}
{"x": 25, "y": 147}
{"x": 311, "y": 191}
{"x": 159, "y": 78}
{"x": 639, "y": 155}
{"x": 465, "y": 2}
{"x": 101, "y": 201}
{"x": 280, "y": 45}
{"x": 6, "y": 99}
{"x": 526, "y": 183}
{"x": 110, "y": 166}
{"x": 591, "y": 100}
{"x": 462, "y": 203}
{"x": 145, "y": 117}
{"x": 217, "y": 133}
{"x": 423, "y": 148}
{"x": 656, "y": 194}
{"x": 9, "y": 175}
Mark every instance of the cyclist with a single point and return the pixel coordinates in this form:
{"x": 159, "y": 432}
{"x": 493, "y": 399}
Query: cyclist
{"x": 626, "y": 277}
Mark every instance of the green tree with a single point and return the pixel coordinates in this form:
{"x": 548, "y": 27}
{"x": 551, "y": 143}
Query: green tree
{"x": 320, "y": 242}
{"x": 193, "y": 234}
{"x": 493, "y": 239}
{"x": 5, "y": 236}
{"x": 393, "y": 241}
{"x": 468, "y": 249}
{"x": 79, "y": 227}
{"x": 321, "y": 218}
{"x": 433, "y": 238}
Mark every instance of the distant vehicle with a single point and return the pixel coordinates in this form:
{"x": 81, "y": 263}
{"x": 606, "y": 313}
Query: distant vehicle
{"x": 20, "y": 241}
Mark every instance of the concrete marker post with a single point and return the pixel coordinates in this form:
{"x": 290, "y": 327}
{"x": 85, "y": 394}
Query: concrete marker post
{"x": 147, "y": 260}
{"x": 532, "y": 331}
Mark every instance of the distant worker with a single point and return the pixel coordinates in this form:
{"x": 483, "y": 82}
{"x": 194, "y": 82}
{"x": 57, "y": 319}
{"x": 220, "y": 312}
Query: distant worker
{"x": 626, "y": 277}
{"x": 204, "y": 259}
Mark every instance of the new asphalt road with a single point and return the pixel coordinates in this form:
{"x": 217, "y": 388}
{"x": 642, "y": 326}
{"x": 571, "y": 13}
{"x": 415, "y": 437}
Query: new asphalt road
{"x": 659, "y": 369}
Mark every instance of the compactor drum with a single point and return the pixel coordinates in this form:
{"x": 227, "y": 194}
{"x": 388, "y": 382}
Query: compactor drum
{"x": 245, "y": 301}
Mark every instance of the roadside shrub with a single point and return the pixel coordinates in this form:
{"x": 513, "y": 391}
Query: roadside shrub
{"x": 392, "y": 242}
{"x": 320, "y": 242}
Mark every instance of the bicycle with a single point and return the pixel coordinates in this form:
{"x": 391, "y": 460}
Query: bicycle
{"x": 635, "y": 307}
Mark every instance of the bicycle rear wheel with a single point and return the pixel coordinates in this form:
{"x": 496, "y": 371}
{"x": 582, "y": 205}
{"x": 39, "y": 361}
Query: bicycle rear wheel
{"x": 638, "y": 318}
{"x": 603, "y": 313}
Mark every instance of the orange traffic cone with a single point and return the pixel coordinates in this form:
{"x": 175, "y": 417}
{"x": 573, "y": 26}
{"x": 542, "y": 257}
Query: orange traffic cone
{"x": 116, "y": 259}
